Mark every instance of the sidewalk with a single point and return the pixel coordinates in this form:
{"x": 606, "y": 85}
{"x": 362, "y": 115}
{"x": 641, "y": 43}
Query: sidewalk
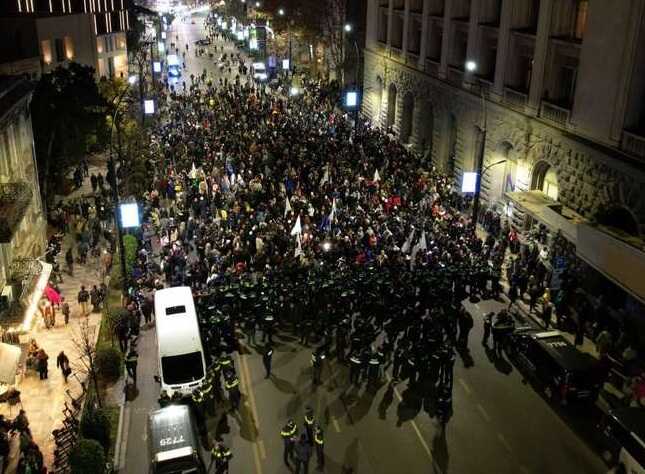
{"x": 522, "y": 306}
{"x": 44, "y": 400}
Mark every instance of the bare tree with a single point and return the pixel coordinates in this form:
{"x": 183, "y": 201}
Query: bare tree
{"x": 84, "y": 341}
{"x": 334, "y": 14}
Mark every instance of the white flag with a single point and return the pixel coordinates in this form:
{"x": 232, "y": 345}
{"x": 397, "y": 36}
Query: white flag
{"x": 332, "y": 214}
{"x": 421, "y": 245}
{"x": 297, "y": 228}
{"x": 287, "y": 207}
{"x": 193, "y": 172}
{"x": 325, "y": 177}
{"x": 377, "y": 177}
{"x": 298, "y": 247}
{"x": 405, "y": 248}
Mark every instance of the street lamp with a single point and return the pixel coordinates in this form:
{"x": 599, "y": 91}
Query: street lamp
{"x": 281, "y": 12}
{"x": 347, "y": 28}
{"x": 471, "y": 66}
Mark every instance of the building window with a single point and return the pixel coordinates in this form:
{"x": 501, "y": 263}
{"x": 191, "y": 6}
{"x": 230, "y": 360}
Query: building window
{"x": 582, "y": 11}
{"x": 69, "y": 48}
{"x": 60, "y": 50}
{"x": 46, "y": 49}
{"x": 110, "y": 64}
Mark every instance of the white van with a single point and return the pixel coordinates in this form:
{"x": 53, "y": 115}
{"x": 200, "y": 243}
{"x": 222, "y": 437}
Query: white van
{"x": 182, "y": 366}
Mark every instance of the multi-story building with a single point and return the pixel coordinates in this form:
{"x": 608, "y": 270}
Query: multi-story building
{"x": 558, "y": 87}
{"x": 22, "y": 222}
{"x": 37, "y": 36}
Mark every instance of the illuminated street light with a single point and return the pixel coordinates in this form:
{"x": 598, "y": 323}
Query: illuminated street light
{"x": 281, "y": 12}
{"x": 257, "y": 4}
{"x": 471, "y": 66}
{"x": 348, "y": 27}
{"x": 132, "y": 80}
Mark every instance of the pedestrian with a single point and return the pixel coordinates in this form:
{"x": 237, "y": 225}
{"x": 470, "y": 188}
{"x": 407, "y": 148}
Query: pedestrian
{"x": 232, "y": 385}
{"x": 309, "y": 424}
{"x": 69, "y": 260}
{"x": 62, "y": 362}
{"x": 317, "y": 358}
{"x": 266, "y": 360}
{"x": 288, "y": 435}
{"x": 547, "y": 313}
{"x": 65, "y": 310}
{"x": 164, "y": 399}
{"x": 303, "y": 454}
{"x": 319, "y": 443}
{"x": 93, "y": 182}
{"x": 94, "y": 299}
{"x": 488, "y": 324}
{"x": 131, "y": 362}
{"x": 122, "y": 330}
{"x": 221, "y": 456}
{"x": 41, "y": 363}
{"x": 83, "y": 297}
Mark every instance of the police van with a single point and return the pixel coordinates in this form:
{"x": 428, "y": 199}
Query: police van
{"x": 182, "y": 366}
{"x": 624, "y": 433}
{"x": 173, "y": 442}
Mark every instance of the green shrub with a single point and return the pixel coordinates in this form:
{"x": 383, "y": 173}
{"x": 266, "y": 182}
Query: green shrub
{"x": 130, "y": 246}
{"x": 108, "y": 362}
{"x": 95, "y": 425}
{"x": 87, "y": 457}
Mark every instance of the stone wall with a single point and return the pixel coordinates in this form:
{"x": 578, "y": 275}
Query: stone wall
{"x": 590, "y": 177}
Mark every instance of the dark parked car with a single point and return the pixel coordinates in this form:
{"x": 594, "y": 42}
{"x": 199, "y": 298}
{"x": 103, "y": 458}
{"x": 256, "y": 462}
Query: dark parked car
{"x": 554, "y": 365}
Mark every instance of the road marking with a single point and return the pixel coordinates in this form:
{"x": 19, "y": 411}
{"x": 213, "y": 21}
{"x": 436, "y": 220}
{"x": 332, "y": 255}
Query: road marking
{"x": 334, "y": 422}
{"x": 263, "y": 452}
{"x": 258, "y": 450}
{"x": 463, "y": 383}
{"x": 504, "y": 442}
{"x": 483, "y": 412}
{"x": 414, "y": 425}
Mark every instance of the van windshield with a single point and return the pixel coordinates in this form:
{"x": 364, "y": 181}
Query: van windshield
{"x": 183, "y": 368}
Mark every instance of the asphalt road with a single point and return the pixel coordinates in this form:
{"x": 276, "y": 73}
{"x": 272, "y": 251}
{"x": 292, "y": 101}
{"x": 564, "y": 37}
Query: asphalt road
{"x": 500, "y": 424}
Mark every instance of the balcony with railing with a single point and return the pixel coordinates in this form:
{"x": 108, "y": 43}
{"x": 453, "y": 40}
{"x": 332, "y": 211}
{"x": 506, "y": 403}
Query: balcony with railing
{"x": 558, "y": 114}
{"x": 634, "y": 143}
{"x": 514, "y": 98}
{"x": 14, "y": 201}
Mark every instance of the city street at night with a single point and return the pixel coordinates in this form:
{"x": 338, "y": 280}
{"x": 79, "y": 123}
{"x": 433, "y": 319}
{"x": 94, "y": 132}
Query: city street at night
{"x": 335, "y": 236}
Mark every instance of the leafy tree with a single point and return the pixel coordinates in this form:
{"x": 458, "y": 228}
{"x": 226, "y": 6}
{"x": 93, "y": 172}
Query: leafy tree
{"x": 68, "y": 116}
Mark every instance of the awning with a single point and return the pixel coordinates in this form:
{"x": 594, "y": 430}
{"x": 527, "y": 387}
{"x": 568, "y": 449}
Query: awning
{"x": 9, "y": 360}
{"x": 549, "y": 212}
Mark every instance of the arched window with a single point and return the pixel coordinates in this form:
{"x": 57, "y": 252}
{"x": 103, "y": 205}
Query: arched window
{"x": 407, "y": 117}
{"x": 620, "y": 218}
{"x": 391, "y": 106}
{"x": 545, "y": 179}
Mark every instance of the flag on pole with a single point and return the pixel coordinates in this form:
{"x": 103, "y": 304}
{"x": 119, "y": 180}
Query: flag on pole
{"x": 421, "y": 245}
{"x": 405, "y": 248}
{"x": 287, "y": 207}
{"x": 297, "y": 228}
{"x": 332, "y": 214}
{"x": 299, "y": 251}
{"x": 377, "y": 177}
{"x": 193, "y": 171}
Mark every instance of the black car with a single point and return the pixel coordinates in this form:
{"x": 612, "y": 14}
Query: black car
{"x": 555, "y": 365}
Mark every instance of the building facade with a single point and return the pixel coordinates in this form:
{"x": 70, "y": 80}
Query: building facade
{"x": 38, "y": 36}
{"x": 22, "y": 222}
{"x": 558, "y": 87}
